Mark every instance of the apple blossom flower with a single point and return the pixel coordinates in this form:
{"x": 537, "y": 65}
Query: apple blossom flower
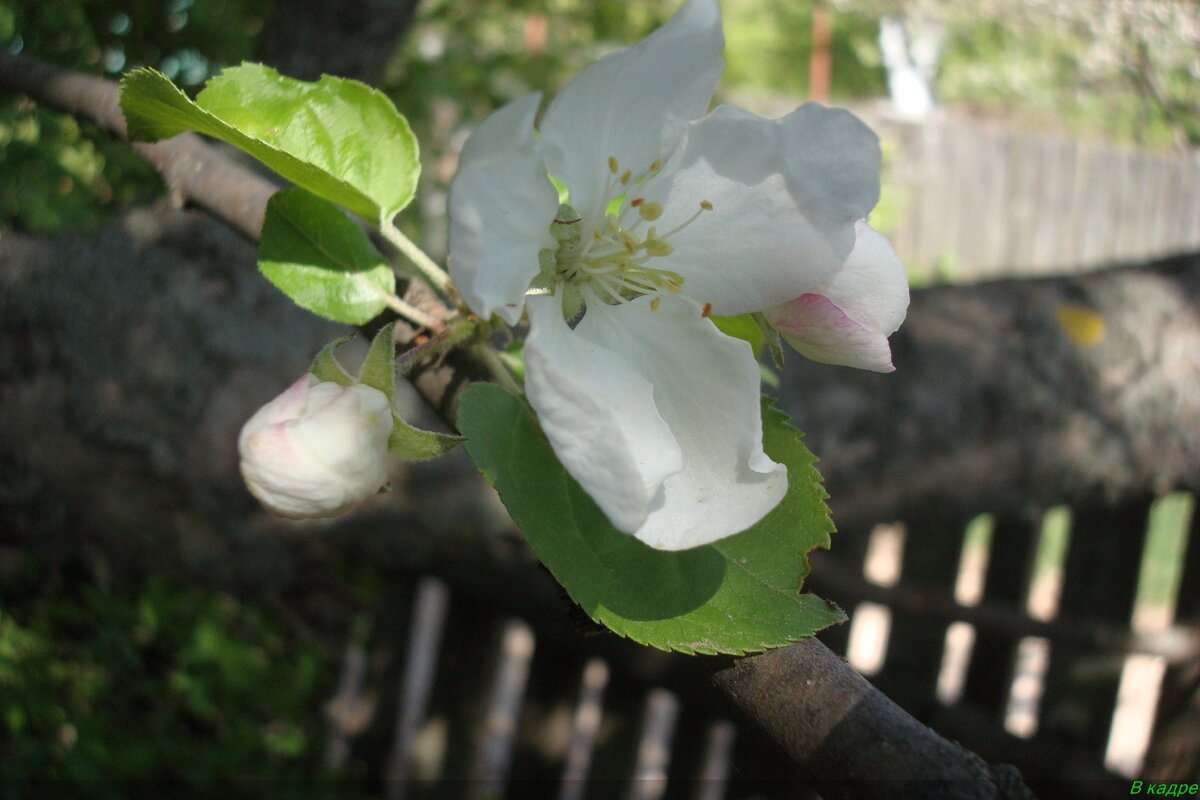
{"x": 672, "y": 214}
{"x": 318, "y": 449}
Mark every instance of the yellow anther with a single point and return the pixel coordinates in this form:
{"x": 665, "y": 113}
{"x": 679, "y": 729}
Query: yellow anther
{"x": 672, "y": 285}
{"x": 658, "y": 247}
{"x": 626, "y": 178}
{"x": 596, "y": 234}
{"x": 707, "y": 206}
{"x": 655, "y": 303}
{"x": 630, "y": 242}
{"x": 656, "y": 166}
{"x": 613, "y": 166}
{"x": 650, "y": 210}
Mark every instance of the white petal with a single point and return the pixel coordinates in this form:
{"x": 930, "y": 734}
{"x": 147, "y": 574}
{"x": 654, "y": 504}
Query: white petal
{"x": 706, "y": 387}
{"x": 831, "y": 161}
{"x": 633, "y": 104}
{"x": 327, "y": 458}
{"x": 872, "y": 286}
{"x": 821, "y": 330}
{"x": 288, "y": 405}
{"x": 848, "y": 321}
{"x": 501, "y": 207}
{"x": 785, "y": 195}
{"x": 598, "y": 413}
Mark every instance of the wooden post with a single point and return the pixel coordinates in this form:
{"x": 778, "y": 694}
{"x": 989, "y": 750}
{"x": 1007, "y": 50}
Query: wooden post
{"x": 819, "y": 65}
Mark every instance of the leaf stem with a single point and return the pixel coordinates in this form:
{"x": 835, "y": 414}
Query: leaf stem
{"x": 428, "y": 268}
{"x": 411, "y": 313}
{"x": 499, "y": 370}
{"x": 459, "y": 331}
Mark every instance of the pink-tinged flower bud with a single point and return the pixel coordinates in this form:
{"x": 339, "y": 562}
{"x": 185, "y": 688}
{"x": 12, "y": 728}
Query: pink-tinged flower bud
{"x": 848, "y": 321}
{"x": 318, "y": 449}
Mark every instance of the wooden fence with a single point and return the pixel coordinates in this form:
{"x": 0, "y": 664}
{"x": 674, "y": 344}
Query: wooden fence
{"x": 1065, "y": 644}
{"x": 967, "y": 200}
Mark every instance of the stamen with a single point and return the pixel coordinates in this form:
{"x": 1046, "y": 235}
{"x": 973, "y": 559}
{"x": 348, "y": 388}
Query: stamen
{"x": 612, "y": 265}
{"x": 630, "y": 241}
{"x": 650, "y": 211}
{"x": 704, "y": 206}
{"x": 658, "y": 247}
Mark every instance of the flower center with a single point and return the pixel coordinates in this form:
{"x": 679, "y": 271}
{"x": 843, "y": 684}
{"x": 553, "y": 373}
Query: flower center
{"x": 612, "y": 261}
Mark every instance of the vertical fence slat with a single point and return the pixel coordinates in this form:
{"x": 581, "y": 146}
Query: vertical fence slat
{"x": 994, "y": 202}
{"x": 504, "y": 710}
{"x": 654, "y": 749}
{"x": 424, "y": 641}
{"x": 718, "y": 760}
{"x": 1099, "y": 584}
{"x": 583, "y": 729}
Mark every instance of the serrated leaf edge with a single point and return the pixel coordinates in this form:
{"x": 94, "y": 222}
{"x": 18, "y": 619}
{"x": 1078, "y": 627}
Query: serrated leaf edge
{"x": 600, "y": 617}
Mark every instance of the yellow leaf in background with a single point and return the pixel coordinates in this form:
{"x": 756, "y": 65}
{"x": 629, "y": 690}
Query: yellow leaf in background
{"x": 1082, "y": 325}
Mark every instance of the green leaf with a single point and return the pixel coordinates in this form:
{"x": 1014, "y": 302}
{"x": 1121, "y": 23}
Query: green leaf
{"x": 316, "y": 255}
{"x": 379, "y": 367}
{"x": 326, "y": 367}
{"x": 414, "y": 443}
{"x": 340, "y": 139}
{"x": 741, "y": 594}
{"x": 772, "y": 337}
{"x": 378, "y": 372}
{"x": 513, "y": 357}
{"x": 742, "y": 327}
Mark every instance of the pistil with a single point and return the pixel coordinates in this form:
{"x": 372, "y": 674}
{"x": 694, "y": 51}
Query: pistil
{"x": 612, "y": 260}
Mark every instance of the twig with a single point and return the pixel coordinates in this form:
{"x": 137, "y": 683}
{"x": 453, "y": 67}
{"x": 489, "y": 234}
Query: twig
{"x": 411, "y": 313}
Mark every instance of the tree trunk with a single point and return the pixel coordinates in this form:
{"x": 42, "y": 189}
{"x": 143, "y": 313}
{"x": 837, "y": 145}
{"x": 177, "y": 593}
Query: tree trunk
{"x": 995, "y": 407}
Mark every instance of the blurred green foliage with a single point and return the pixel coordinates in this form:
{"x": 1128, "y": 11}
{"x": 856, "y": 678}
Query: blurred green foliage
{"x": 769, "y": 44}
{"x": 463, "y": 58}
{"x": 59, "y": 174}
{"x": 173, "y": 686}
{"x": 1140, "y": 89}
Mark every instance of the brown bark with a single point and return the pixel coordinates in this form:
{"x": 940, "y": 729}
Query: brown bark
{"x": 849, "y": 738}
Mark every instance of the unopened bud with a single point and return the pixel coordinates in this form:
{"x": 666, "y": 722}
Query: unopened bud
{"x": 318, "y": 449}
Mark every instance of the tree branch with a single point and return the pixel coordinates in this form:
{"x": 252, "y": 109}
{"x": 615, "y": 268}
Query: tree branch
{"x": 850, "y": 739}
{"x": 192, "y": 170}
